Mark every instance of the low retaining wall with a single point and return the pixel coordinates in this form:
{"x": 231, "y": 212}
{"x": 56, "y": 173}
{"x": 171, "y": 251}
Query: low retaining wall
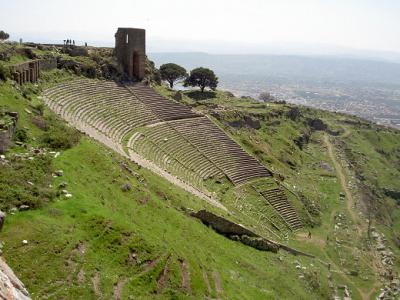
{"x": 241, "y": 234}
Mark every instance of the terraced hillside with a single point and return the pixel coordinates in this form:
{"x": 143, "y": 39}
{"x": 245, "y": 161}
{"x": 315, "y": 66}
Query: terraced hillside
{"x": 169, "y": 138}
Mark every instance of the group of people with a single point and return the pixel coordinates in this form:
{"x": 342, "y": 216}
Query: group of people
{"x": 69, "y": 42}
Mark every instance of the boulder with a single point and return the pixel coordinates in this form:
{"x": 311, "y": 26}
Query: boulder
{"x": 2, "y": 219}
{"x": 76, "y": 51}
{"x": 63, "y": 185}
{"x": 59, "y": 173}
{"x": 10, "y": 286}
{"x": 126, "y": 187}
{"x": 23, "y": 207}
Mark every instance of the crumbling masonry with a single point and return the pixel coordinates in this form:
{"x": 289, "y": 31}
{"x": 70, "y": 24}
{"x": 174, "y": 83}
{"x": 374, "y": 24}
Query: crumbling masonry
{"x": 30, "y": 71}
{"x": 130, "y": 51}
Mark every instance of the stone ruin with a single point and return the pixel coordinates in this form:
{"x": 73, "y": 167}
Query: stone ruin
{"x": 30, "y": 71}
{"x": 235, "y": 231}
{"x": 130, "y": 51}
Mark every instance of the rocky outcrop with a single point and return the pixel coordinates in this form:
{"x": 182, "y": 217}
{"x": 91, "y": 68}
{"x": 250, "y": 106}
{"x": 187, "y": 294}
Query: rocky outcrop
{"x": 241, "y": 234}
{"x": 11, "y": 288}
{"x": 235, "y": 231}
{"x": 222, "y": 225}
{"x": 317, "y": 124}
{"x": 294, "y": 113}
{"x": 257, "y": 243}
{"x": 246, "y": 121}
{"x": 392, "y": 194}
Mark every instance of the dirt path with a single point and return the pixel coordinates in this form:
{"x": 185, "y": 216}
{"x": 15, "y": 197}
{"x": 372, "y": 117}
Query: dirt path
{"x": 350, "y": 203}
{"x": 185, "y": 275}
{"x": 314, "y": 239}
{"x": 163, "y": 277}
{"x": 96, "y": 285}
{"x": 217, "y": 282}
{"x": 350, "y": 206}
{"x": 118, "y": 287}
{"x": 207, "y": 282}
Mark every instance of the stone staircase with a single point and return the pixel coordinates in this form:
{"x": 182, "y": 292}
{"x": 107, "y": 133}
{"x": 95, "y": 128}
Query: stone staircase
{"x": 279, "y": 201}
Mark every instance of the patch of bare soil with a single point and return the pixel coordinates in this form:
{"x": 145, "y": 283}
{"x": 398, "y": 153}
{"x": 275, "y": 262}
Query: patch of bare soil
{"x": 81, "y": 276}
{"x": 80, "y": 250}
{"x": 118, "y": 287}
{"x": 96, "y": 285}
{"x": 185, "y": 275}
{"x": 207, "y": 282}
{"x": 151, "y": 264}
{"x": 217, "y": 281}
{"x": 163, "y": 278}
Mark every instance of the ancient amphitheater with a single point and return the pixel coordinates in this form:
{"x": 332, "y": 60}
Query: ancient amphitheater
{"x": 185, "y": 147}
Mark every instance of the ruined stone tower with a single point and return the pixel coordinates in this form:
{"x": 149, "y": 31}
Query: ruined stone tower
{"x": 130, "y": 50}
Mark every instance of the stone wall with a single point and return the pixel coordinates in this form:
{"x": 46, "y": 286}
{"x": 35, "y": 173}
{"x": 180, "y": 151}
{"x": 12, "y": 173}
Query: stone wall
{"x": 30, "y": 71}
{"x": 47, "y": 64}
{"x": 130, "y": 51}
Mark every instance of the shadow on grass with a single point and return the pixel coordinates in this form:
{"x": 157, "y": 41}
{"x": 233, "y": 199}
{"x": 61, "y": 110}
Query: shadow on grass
{"x": 198, "y": 95}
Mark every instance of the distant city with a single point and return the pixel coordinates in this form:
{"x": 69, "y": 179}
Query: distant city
{"x": 366, "y": 88}
{"x": 381, "y": 106}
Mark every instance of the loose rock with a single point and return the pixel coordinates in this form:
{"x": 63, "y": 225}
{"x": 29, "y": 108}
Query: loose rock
{"x": 2, "y": 219}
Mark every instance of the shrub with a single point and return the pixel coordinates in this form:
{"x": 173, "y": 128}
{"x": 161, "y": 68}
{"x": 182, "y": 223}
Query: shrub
{"x": 4, "y": 72}
{"x": 39, "y": 108}
{"x": 60, "y": 137}
{"x": 21, "y": 135}
{"x": 14, "y": 186}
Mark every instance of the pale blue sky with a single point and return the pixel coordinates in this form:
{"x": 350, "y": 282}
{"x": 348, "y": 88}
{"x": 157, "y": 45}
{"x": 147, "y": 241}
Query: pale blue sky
{"x": 195, "y": 25}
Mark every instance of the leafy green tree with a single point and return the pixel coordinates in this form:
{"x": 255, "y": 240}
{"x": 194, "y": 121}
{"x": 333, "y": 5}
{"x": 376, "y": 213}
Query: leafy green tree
{"x": 202, "y": 77}
{"x": 266, "y": 97}
{"x": 3, "y": 35}
{"x": 171, "y": 73}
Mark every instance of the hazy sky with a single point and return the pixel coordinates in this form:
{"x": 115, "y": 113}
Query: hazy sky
{"x": 195, "y": 25}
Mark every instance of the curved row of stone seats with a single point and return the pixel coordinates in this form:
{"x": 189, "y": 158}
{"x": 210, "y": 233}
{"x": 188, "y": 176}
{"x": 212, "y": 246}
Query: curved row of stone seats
{"x": 145, "y": 147}
{"x": 115, "y": 111}
{"x": 221, "y": 150}
{"x": 279, "y": 201}
{"x": 165, "y": 109}
{"x": 174, "y": 144}
{"x": 107, "y": 106}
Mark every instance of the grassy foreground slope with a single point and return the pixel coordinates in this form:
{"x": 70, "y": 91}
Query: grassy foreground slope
{"x": 106, "y": 243}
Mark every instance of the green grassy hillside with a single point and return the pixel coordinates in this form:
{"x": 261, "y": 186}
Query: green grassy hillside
{"x": 109, "y": 229}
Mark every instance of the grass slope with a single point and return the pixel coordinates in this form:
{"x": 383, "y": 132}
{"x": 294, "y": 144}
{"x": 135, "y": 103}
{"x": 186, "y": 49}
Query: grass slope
{"x": 106, "y": 243}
